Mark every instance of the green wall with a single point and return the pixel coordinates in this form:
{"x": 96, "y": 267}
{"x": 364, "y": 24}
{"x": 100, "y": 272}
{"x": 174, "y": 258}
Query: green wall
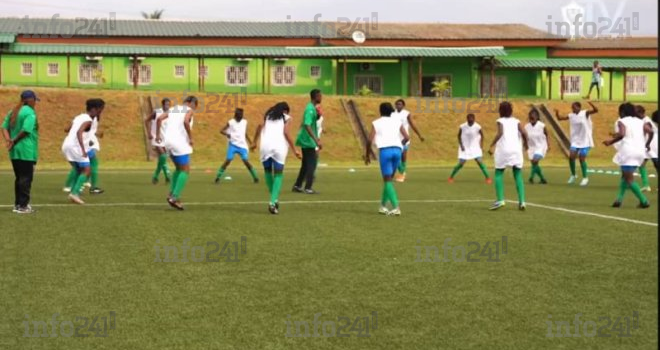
{"x": 304, "y": 82}
{"x": 390, "y": 74}
{"x": 396, "y": 76}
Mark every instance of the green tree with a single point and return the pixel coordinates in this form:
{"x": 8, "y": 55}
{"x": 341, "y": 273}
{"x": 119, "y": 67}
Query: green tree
{"x": 441, "y": 87}
{"x": 157, "y": 14}
{"x": 365, "y": 91}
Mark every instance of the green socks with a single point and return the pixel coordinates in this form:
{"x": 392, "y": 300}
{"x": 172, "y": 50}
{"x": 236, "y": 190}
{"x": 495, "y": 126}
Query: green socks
{"x": 175, "y": 178}
{"x": 162, "y": 165}
{"x": 583, "y": 167}
{"x": 499, "y": 184}
{"x": 571, "y": 163}
{"x": 638, "y": 192}
{"x": 71, "y": 178}
{"x": 277, "y": 186}
{"x": 484, "y": 170}
{"x": 253, "y": 173}
{"x": 78, "y": 185}
{"x": 221, "y": 171}
{"x": 402, "y": 167}
{"x": 457, "y": 168}
{"x": 634, "y": 187}
{"x": 94, "y": 175}
{"x": 644, "y": 174}
{"x": 180, "y": 183}
{"x": 536, "y": 170}
{"x": 390, "y": 194}
{"x": 623, "y": 186}
{"x": 268, "y": 175}
{"x": 384, "y": 197}
{"x": 520, "y": 186}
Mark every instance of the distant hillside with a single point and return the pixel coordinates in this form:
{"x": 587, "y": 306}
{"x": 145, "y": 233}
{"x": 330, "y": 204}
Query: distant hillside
{"x": 123, "y": 143}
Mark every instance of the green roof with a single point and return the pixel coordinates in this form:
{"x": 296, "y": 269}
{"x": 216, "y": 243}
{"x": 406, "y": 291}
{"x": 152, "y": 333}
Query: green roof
{"x": 239, "y": 51}
{"x": 105, "y": 26}
{"x": 579, "y": 63}
{"x": 6, "y": 38}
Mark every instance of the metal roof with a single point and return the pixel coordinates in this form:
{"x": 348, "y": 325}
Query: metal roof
{"x": 6, "y": 38}
{"x": 579, "y": 63}
{"x": 240, "y": 51}
{"x": 111, "y": 27}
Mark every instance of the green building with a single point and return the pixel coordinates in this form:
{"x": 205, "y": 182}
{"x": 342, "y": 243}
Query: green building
{"x": 395, "y": 59}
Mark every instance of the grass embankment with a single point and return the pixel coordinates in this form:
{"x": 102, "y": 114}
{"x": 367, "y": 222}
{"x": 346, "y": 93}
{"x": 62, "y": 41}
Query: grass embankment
{"x": 123, "y": 144}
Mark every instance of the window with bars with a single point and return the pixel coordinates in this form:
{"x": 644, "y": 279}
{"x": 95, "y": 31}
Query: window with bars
{"x": 373, "y": 82}
{"x": 179, "y": 71}
{"x": 90, "y": 73}
{"x": 236, "y": 76}
{"x": 26, "y": 68}
{"x": 204, "y": 71}
{"x": 284, "y": 76}
{"x": 572, "y": 84}
{"x": 636, "y": 85}
{"x": 53, "y": 69}
{"x": 315, "y": 72}
{"x": 144, "y": 75}
{"x": 501, "y": 85}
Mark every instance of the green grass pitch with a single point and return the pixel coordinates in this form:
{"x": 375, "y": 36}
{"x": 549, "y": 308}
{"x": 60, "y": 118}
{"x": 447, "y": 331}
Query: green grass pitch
{"x": 569, "y": 253}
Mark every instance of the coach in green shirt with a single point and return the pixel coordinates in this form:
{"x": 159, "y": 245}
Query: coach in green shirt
{"x": 308, "y": 140}
{"x": 21, "y": 132}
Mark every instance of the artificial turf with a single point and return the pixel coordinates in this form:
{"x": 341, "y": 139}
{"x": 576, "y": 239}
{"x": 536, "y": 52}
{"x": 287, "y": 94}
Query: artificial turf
{"x": 331, "y": 254}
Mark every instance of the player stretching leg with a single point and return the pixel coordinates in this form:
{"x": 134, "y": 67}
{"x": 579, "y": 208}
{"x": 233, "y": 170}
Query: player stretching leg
{"x": 508, "y": 153}
{"x": 75, "y": 149}
{"x": 159, "y": 147}
{"x": 389, "y": 135}
{"x": 635, "y": 138}
{"x": 179, "y": 142}
{"x": 274, "y": 146}
{"x": 408, "y": 123}
{"x": 539, "y": 145}
{"x": 236, "y": 132}
{"x": 582, "y": 138}
{"x": 470, "y": 145}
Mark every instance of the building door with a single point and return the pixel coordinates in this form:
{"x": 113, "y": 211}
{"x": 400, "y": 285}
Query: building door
{"x": 427, "y": 84}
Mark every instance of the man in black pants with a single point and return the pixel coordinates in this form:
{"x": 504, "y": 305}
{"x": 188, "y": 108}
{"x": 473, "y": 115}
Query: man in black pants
{"x": 21, "y": 132}
{"x": 308, "y": 140}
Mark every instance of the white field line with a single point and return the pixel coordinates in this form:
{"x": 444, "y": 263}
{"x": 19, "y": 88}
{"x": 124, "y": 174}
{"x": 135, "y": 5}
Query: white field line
{"x": 312, "y": 202}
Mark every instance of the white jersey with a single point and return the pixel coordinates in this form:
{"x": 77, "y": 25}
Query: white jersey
{"x": 653, "y": 153}
{"x": 89, "y": 137}
{"x": 176, "y": 140}
{"x": 471, "y": 140}
{"x": 237, "y": 132}
{"x": 154, "y": 125}
{"x": 273, "y": 142}
{"x": 508, "y": 150}
{"x": 632, "y": 148}
{"x": 581, "y": 130}
{"x": 536, "y": 139}
{"x": 388, "y": 132}
{"x": 71, "y": 147}
{"x": 405, "y": 122}
{"x": 616, "y": 131}
{"x": 319, "y": 126}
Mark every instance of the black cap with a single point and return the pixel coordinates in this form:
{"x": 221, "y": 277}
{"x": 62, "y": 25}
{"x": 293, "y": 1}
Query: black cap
{"x": 29, "y": 94}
